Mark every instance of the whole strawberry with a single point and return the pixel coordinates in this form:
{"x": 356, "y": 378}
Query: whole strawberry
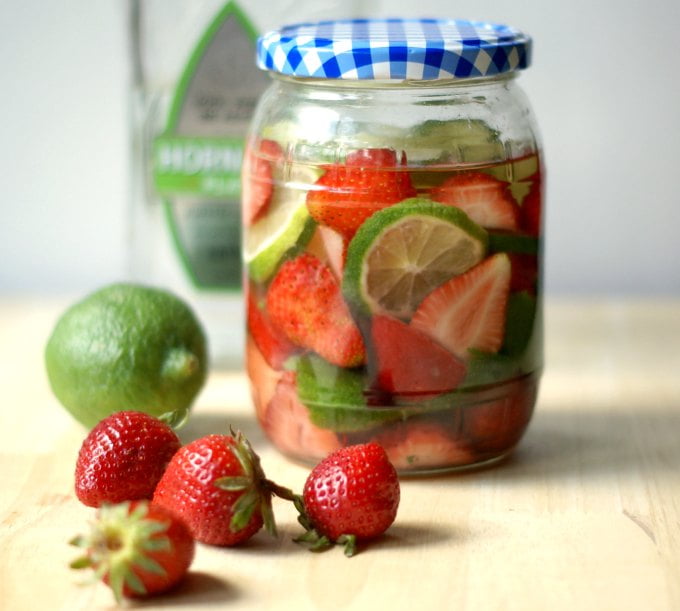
{"x": 138, "y": 549}
{"x": 305, "y": 301}
{"x": 217, "y": 486}
{"x": 352, "y": 495}
{"x": 123, "y": 458}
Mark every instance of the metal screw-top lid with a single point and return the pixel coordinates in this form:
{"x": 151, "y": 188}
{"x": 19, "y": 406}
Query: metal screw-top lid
{"x": 383, "y": 49}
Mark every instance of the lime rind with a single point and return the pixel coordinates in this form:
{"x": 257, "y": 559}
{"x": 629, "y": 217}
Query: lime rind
{"x": 127, "y": 346}
{"x": 389, "y": 236}
{"x": 286, "y": 226}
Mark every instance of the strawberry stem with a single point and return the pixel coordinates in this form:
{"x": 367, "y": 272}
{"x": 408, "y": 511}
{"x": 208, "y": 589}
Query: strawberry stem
{"x": 283, "y": 493}
{"x": 256, "y": 489}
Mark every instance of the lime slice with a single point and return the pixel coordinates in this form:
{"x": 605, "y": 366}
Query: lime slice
{"x": 402, "y": 253}
{"x": 287, "y": 223}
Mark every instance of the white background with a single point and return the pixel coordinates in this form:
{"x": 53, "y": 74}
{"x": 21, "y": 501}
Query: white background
{"x": 604, "y": 85}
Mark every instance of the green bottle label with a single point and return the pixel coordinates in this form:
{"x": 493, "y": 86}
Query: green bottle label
{"x": 197, "y": 166}
{"x": 196, "y": 160}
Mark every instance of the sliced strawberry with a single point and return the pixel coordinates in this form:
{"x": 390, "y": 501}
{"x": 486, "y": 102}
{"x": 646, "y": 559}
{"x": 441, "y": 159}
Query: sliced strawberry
{"x": 496, "y": 426}
{"x": 531, "y": 212}
{"x": 258, "y": 179}
{"x": 263, "y": 379}
{"x": 272, "y": 342}
{"x": 524, "y": 272}
{"x": 469, "y": 311}
{"x": 305, "y": 302}
{"x": 346, "y": 195}
{"x": 287, "y": 424}
{"x": 330, "y": 248}
{"x": 415, "y": 445}
{"x": 483, "y": 198}
{"x": 410, "y": 362}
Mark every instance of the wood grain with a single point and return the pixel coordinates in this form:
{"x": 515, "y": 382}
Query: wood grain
{"x": 584, "y": 515}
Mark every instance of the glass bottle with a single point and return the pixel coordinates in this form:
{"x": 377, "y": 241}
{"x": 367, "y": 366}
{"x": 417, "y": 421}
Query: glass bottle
{"x": 194, "y": 88}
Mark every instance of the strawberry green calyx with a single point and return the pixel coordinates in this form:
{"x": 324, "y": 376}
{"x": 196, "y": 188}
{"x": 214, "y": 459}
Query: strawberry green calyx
{"x": 314, "y": 540}
{"x": 121, "y": 541}
{"x": 256, "y": 489}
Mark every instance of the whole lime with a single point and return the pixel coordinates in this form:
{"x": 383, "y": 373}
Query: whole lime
{"x": 127, "y": 347}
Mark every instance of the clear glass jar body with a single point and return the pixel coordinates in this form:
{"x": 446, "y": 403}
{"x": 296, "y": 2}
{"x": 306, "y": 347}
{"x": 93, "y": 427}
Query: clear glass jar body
{"x": 393, "y": 254}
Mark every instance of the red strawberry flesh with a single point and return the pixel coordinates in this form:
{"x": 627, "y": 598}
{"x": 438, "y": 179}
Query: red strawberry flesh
{"x": 531, "y": 212}
{"x": 304, "y": 300}
{"x": 258, "y": 179}
{"x": 346, "y": 195}
{"x": 483, "y": 198}
{"x": 497, "y": 425}
{"x": 410, "y": 362}
{"x": 469, "y": 311}
{"x": 287, "y": 424}
{"x": 416, "y": 445}
{"x": 272, "y": 342}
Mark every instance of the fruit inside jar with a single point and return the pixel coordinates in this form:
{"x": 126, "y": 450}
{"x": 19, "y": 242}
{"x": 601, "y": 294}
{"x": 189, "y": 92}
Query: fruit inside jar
{"x": 393, "y": 301}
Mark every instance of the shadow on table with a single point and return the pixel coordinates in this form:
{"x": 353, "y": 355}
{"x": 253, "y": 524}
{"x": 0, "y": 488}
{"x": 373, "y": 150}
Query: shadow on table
{"x": 209, "y": 422}
{"x": 601, "y": 442}
{"x": 559, "y": 442}
{"x": 195, "y": 589}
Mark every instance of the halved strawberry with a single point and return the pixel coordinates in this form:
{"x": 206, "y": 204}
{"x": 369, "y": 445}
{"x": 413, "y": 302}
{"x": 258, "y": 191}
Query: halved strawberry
{"x": 287, "y": 424}
{"x": 423, "y": 444}
{"x": 410, "y": 362}
{"x": 329, "y": 247}
{"x": 270, "y": 339}
{"x": 346, "y": 195}
{"x": 531, "y": 209}
{"x": 469, "y": 311}
{"x": 263, "y": 379}
{"x": 258, "y": 179}
{"x": 483, "y": 198}
{"x": 524, "y": 272}
{"x": 305, "y": 302}
{"x": 496, "y": 426}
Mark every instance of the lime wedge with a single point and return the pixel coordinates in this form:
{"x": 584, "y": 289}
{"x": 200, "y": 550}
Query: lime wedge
{"x": 286, "y": 224}
{"x": 402, "y": 253}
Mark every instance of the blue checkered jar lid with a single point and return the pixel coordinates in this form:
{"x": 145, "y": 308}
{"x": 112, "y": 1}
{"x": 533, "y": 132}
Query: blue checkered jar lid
{"x": 384, "y": 49}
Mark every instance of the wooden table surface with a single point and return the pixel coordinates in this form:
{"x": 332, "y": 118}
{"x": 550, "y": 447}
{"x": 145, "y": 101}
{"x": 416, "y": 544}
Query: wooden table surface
{"x": 585, "y": 515}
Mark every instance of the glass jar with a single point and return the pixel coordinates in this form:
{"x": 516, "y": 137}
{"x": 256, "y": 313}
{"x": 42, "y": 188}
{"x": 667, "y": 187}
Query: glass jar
{"x": 392, "y": 195}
